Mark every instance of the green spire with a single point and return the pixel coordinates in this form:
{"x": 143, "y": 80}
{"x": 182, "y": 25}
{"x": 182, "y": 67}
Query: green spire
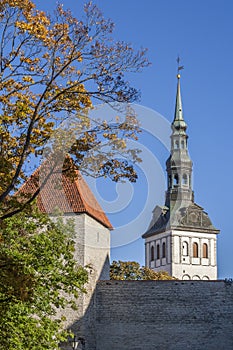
{"x": 178, "y": 122}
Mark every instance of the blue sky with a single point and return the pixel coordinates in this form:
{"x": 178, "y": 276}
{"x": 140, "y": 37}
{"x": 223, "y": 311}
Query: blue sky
{"x": 201, "y": 32}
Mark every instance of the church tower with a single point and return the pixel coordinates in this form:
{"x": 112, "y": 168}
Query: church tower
{"x": 181, "y": 238}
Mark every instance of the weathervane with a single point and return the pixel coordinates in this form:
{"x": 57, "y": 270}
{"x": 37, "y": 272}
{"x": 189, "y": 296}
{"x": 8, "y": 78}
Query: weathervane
{"x": 178, "y": 66}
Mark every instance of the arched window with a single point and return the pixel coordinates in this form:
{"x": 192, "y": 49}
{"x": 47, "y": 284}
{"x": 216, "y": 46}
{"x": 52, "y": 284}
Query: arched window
{"x": 196, "y": 277}
{"x": 152, "y": 253}
{"x": 182, "y": 144}
{"x": 176, "y": 144}
{"x": 164, "y": 250}
{"x": 195, "y": 250}
{"x": 158, "y": 251}
{"x": 176, "y": 180}
{"x": 185, "y": 248}
{"x": 205, "y": 278}
{"x": 205, "y": 250}
{"x": 184, "y": 179}
{"x": 186, "y": 277}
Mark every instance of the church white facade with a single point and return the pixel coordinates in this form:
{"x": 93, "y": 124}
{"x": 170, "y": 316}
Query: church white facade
{"x": 181, "y": 238}
{"x": 173, "y": 251}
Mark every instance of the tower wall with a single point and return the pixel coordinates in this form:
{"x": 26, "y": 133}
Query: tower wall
{"x": 92, "y": 249}
{"x": 73, "y": 315}
{"x": 179, "y": 260}
{"x": 96, "y": 254}
{"x": 187, "y": 266}
{"x": 163, "y": 263}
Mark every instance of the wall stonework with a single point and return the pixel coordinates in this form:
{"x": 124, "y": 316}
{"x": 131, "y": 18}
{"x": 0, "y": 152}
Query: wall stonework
{"x": 92, "y": 249}
{"x": 161, "y": 315}
{"x": 73, "y": 315}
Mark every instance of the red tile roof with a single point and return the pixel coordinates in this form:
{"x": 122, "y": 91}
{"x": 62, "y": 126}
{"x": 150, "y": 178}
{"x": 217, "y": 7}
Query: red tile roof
{"x": 66, "y": 194}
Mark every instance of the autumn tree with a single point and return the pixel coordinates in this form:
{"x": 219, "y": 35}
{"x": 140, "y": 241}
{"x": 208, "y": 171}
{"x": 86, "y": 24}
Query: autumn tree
{"x": 150, "y": 274}
{"x": 53, "y": 68}
{"x": 131, "y": 270}
{"x": 37, "y": 267}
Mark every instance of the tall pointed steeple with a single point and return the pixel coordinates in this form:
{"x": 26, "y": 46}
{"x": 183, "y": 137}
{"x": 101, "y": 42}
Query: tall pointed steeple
{"x": 179, "y": 164}
{"x": 180, "y": 238}
{"x": 178, "y": 121}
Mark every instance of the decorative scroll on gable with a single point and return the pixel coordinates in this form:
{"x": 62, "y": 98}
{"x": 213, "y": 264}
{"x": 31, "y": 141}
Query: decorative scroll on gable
{"x": 193, "y": 216}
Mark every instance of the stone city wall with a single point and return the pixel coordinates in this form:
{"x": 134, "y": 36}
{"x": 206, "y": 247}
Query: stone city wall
{"x": 163, "y": 315}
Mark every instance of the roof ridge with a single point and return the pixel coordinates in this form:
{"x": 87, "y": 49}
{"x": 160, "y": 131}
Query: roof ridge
{"x": 60, "y": 191}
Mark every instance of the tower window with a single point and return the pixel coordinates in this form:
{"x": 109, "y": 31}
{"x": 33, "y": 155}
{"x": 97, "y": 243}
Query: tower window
{"x": 176, "y": 180}
{"x": 152, "y": 253}
{"x": 185, "y": 248}
{"x": 176, "y": 144}
{"x": 182, "y": 144}
{"x": 169, "y": 181}
{"x": 185, "y": 179}
{"x": 195, "y": 250}
{"x": 205, "y": 250}
{"x": 158, "y": 251}
{"x": 164, "y": 250}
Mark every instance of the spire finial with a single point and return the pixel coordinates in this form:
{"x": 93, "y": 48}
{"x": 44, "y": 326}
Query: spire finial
{"x": 178, "y": 122}
{"x": 179, "y": 67}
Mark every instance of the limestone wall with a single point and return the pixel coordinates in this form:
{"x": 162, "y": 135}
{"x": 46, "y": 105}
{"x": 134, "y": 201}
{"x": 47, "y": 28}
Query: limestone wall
{"x": 163, "y": 315}
{"x": 92, "y": 248}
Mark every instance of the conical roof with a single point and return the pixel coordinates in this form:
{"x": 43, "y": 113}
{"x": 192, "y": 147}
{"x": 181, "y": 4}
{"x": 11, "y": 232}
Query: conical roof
{"x": 178, "y": 122}
{"x": 60, "y": 192}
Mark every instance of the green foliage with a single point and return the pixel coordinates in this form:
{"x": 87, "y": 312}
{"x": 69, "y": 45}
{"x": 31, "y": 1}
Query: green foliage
{"x": 149, "y": 274}
{"x": 38, "y": 274}
{"x": 125, "y": 270}
{"x": 131, "y": 270}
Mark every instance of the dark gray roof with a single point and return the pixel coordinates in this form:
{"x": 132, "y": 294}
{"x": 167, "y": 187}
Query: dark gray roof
{"x": 190, "y": 218}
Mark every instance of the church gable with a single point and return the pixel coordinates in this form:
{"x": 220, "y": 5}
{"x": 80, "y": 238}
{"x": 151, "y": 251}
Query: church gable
{"x": 194, "y": 218}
